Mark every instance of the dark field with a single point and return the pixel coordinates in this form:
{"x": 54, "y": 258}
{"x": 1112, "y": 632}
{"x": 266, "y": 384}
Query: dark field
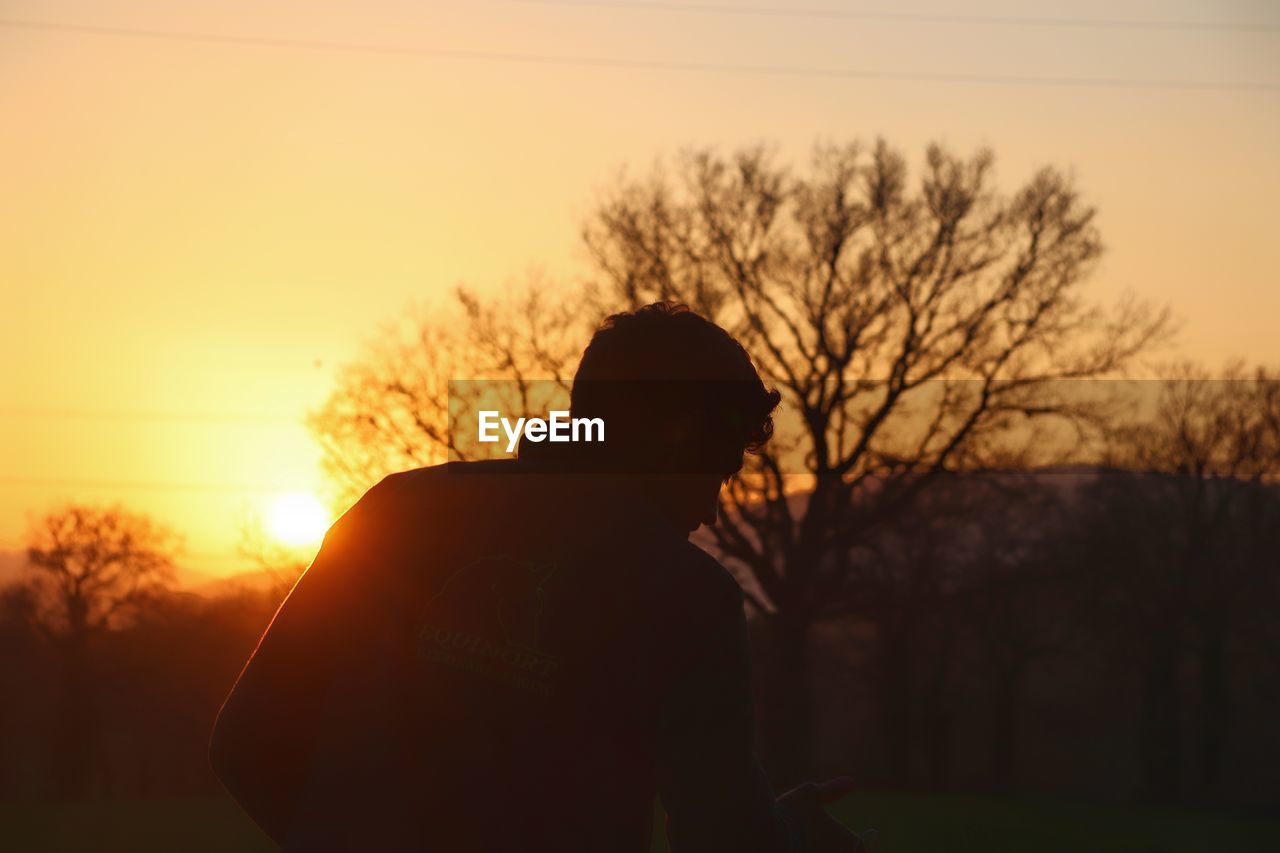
{"x": 906, "y": 824}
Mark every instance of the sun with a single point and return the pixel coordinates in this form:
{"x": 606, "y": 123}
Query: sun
{"x": 297, "y": 518}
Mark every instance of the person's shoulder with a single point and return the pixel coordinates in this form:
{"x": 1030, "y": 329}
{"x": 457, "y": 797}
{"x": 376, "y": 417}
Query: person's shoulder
{"x": 403, "y": 504}
{"x": 393, "y": 488}
{"x": 707, "y": 578}
{"x": 430, "y": 479}
{"x": 428, "y": 475}
{"x": 394, "y": 494}
{"x": 704, "y": 606}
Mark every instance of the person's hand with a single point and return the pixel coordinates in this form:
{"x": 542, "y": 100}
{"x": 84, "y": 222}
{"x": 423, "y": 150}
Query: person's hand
{"x": 825, "y": 832}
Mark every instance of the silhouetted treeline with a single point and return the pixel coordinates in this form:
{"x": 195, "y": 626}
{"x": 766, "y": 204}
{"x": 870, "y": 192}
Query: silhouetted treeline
{"x": 1080, "y": 631}
{"x": 138, "y": 724}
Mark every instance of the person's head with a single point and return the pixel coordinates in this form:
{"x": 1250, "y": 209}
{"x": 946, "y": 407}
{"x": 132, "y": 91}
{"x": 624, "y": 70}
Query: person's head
{"x": 681, "y": 402}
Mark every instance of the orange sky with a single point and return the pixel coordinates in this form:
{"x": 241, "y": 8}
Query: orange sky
{"x": 194, "y": 234}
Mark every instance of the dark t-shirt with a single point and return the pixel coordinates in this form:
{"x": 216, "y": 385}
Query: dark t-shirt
{"x": 515, "y": 660}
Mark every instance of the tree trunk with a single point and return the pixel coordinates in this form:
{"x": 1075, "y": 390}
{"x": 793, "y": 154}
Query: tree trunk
{"x": 937, "y": 713}
{"x": 1161, "y": 718}
{"x": 1004, "y": 732}
{"x": 939, "y": 743}
{"x": 75, "y": 734}
{"x": 1215, "y": 708}
{"x": 896, "y": 676}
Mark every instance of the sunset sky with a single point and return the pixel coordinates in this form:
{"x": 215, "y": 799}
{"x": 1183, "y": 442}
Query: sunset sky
{"x": 206, "y": 208}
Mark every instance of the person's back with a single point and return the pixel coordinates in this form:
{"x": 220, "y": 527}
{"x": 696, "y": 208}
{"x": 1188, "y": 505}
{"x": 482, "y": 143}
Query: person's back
{"x": 512, "y": 656}
{"x": 510, "y": 693}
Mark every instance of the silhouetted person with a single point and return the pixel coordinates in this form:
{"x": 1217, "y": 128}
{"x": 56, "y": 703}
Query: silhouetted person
{"x": 518, "y": 655}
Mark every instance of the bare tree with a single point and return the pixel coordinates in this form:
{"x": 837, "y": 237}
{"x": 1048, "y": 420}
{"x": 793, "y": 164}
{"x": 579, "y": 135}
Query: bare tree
{"x": 90, "y": 569}
{"x": 91, "y": 566}
{"x": 392, "y": 407}
{"x": 1018, "y": 600}
{"x": 911, "y": 330}
{"x": 1214, "y": 444}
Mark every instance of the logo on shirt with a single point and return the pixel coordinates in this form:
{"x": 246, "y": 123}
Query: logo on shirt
{"x": 487, "y": 619}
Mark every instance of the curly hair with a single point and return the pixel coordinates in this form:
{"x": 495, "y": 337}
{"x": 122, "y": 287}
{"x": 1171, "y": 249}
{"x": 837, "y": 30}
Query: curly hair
{"x": 662, "y": 364}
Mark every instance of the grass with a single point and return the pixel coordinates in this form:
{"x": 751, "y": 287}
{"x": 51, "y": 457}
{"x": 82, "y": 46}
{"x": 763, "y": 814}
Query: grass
{"x": 906, "y": 824}
{"x": 214, "y": 825}
{"x": 914, "y": 824}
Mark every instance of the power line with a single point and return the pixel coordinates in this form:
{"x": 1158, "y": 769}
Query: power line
{"x": 192, "y": 417}
{"x": 143, "y": 484}
{"x": 636, "y": 64}
{"x": 209, "y": 556}
{"x": 912, "y": 17}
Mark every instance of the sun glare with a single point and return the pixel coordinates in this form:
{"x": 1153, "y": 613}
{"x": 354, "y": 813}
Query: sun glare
{"x": 297, "y": 518}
